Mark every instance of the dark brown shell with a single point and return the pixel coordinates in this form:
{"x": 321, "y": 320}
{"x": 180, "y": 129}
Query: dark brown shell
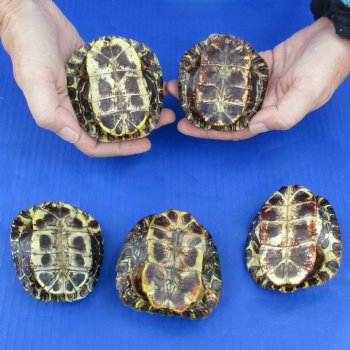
{"x": 222, "y": 83}
{"x": 294, "y": 241}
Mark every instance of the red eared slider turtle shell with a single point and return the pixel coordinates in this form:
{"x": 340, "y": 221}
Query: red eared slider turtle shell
{"x": 170, "y": 265}
{"x": 116, "y": 88}
{"x": 222, "y": 83}
{"x": 57, "y": 251}
{"x": 294, "y": 241}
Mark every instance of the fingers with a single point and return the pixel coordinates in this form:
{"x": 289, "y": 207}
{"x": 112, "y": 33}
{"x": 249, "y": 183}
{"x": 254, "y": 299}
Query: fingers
{"x": 172, "y": 88}
{"x": 49, "y": 113}
{"x": 288, "y": 111}
{"x": 165, "y": 90}
{"x": 93, "y": 148}
{"x": 186, "y": 128}
{"x": 167, "y": 116}
{"x": 268, "y": 57}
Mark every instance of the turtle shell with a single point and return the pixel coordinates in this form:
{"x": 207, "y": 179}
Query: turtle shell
{"x": 57, "y": 251}
{"x": 116, "y": 88}
{"x": 222, "y": 83}
{"x": 294, "y": 241}
{"x": 170, "y": 265}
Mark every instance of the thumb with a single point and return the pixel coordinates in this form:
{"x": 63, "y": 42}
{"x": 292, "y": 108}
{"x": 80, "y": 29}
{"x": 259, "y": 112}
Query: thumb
{"x": 288, "y": 111}
{"x": 172, "y": 88}
{"x": 50, "y": 111}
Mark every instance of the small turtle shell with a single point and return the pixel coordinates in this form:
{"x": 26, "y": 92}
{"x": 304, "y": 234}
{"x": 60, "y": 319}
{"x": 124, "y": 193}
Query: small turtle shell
{"x": 294, "y": 241}
{"x": 222, "y": 83}
{"x": 170, "y": 265}
{"x": 57, "y": 250}
{"x": 116, "y": 88}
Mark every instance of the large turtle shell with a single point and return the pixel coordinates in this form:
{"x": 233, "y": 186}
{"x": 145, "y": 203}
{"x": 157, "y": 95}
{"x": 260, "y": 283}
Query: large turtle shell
{"x": 170, "y": 265}
{"x": 116, "y": 88}
{"x": 294, "y": 241}
{"x": 222, "y": 83}
{"x": 57, "y": 250}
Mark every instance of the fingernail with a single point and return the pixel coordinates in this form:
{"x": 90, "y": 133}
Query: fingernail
{"x": 258, "y": 128}
{"x": 68, "y": 134}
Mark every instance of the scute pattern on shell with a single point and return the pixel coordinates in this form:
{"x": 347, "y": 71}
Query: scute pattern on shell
{"x": 57, "y": 251}
{"x": 128, "y": 90}
{"x": 222, "y": 83}
{"x": 308, "y": 238}
{"x": 141, "y": 268}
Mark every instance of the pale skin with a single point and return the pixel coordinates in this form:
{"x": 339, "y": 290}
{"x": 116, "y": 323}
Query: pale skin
{"x": 38, "y": 55}
{"x": 305, "y": 70}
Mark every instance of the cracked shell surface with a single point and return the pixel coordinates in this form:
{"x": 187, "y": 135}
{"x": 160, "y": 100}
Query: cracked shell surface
{"x": 116, "y": 88}
{"x": 57, "y": 250}
{"x": 170, "y": 265}
{"x": 294, "y": 241}
{"x": 222, "y": 83}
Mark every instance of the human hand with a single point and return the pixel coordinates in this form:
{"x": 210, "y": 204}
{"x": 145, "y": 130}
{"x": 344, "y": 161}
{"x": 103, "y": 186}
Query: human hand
{"x": 305, "y": 70}
{"x": 40, "y": 39}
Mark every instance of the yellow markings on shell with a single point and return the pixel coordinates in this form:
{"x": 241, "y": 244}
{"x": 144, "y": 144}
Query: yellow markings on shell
{"x": 169, "y": 287}
{"x": 60, "y": 251}
{"x": 177, "y": 242}
{"x": 302, "y": 273}
{"x": 119, "y": 93}
{"x": 283, "y": 242}
{"x": 174, "y": 257}
{"x": 225, "y": 71}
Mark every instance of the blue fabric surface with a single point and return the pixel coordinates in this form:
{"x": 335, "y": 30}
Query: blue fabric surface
{"x": 222, "y": 183}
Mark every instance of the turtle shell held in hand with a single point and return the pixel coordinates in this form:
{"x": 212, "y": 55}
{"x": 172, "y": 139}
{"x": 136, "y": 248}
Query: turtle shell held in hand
{"x": 294, "y": 241}
{"x": 222, "y": 83}
{"x": 170, "y": 265}
{"x": 57, "y": 250}
{"x": 116, "y": 88}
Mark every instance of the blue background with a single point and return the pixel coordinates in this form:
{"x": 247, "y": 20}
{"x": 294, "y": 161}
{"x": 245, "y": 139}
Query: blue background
{"x": 222, "y": 183}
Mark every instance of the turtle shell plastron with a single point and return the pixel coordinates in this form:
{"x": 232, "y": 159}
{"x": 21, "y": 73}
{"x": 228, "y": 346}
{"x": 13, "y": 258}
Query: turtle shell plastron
{"x": 170, "y": 265}
{"x": 222, "y": 83}
{"x": 57, "y": 250}
{"x": 294, "y": 241}
{"x": 116, "y": 88}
